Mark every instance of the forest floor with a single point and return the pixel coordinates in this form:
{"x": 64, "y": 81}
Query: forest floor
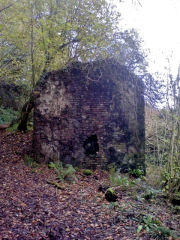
{"x": 30, "y": 208}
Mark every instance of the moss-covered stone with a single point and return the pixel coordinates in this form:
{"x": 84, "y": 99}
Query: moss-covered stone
{"x": 111, "y": 195}
{"x": 87, "y": 172}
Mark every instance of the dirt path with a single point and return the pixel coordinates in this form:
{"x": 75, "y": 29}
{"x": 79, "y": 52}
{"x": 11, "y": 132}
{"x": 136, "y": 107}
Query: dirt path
{"x": 32, "y": 209}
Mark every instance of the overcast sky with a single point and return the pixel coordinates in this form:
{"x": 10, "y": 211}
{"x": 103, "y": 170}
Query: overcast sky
{"x": 157, "y": 22}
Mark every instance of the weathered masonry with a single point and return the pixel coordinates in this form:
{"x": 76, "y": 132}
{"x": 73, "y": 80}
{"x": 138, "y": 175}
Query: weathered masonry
{"x": 90, "y": 115}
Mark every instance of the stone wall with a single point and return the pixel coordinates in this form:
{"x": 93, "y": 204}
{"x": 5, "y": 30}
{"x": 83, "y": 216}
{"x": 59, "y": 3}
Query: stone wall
{"x": 90, "y": 115}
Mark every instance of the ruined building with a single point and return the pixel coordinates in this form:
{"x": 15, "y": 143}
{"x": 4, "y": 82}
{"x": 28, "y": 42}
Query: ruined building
{"x": 90, "y": 115}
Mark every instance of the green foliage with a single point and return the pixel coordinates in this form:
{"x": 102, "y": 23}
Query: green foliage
{"x": 69, "y": 172}
{"x": 128, "y": 50}
{"x": 30, "y": 162}
{"x": 7, "y": 115}
{"x": 137, "y": 173}
{"x": 112, "y": 169}
{"x": 63, "y": 173}
{"x": 12, "y": 95}
{"x": 163, "y": 142}
{"x": 117, "y": 179}
{"x": 154, "y": 228}
{"x": 171, "y": 184}
{"x": 165, "y": 179}
{"x": 58, "y": 167}
{"x": 87, "y": 172}
{"x": 13, "y": 128}
{"x": 49, "y": 34}
{"x": 149, "y": 194}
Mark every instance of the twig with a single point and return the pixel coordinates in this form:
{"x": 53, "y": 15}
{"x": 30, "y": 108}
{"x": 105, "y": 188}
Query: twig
{"x": 55, "y": 184}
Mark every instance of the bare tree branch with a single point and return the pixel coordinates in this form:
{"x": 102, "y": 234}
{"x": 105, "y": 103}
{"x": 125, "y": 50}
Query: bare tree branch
{"x": 10, "y": 5}
{"x": 75, "y": 40}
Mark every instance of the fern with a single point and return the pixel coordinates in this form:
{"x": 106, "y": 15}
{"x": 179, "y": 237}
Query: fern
{"x": 61, "y": 172}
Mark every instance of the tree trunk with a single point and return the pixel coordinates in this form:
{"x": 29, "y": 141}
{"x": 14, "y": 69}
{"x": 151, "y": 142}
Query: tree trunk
{"x": 26, "y": 110}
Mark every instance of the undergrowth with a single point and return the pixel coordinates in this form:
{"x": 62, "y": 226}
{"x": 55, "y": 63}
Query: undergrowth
{"x": 168, "y": 181}
{"x": 153, "y": 175}
{"x": 117, "y": 179}
{"x": 13, "y": 128}
{"x": 154, "y": 228}
{"x": 7, "y": 115}
{"x": 63, "y": 173}
{"x": 137, "y": 173}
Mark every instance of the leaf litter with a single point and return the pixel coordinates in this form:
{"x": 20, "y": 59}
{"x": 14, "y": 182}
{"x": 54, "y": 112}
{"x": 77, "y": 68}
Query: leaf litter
{"x": 31, "y": 208}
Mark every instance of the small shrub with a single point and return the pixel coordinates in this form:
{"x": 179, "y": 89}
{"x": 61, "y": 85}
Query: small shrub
{"x": 137, "y": 173}
{"x": 66, "y": 173}
{"x": 149, "y": 195}
{"x": 58, "y": 167}
{"x": 69, "y": 173}
{"x": 171, "y": 184}
{"x": 87, "y": 172}
{"x": 166, "y": 176}
{"x": 117, "y": 179}
{"x": 154, "y": 228}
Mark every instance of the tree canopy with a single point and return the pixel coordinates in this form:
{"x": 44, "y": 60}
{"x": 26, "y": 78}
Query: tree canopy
{"x": 40, "y": 35}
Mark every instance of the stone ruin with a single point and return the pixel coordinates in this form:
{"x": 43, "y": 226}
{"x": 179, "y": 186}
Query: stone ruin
{"x": 90, "y": 115}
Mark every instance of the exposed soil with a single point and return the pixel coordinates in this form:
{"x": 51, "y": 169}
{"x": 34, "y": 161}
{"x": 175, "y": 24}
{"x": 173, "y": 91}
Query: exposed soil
{"x": 30, "y": 208}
